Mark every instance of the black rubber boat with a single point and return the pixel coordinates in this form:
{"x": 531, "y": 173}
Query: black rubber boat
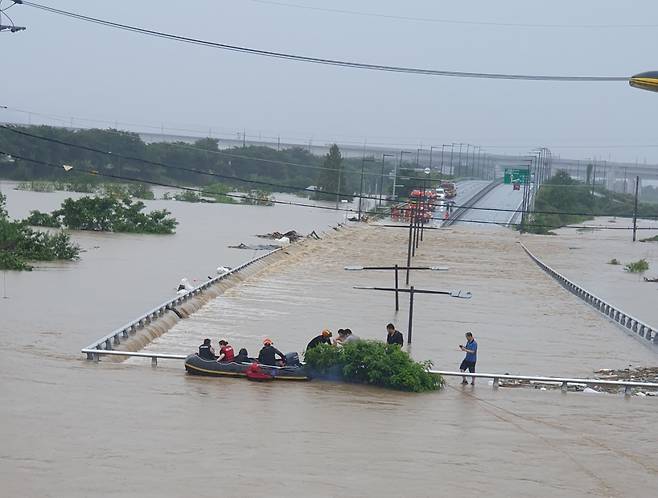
{"x": 195, "y": 365}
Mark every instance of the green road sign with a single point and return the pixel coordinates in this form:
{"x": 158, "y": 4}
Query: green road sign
{"x": 513, "y": 175}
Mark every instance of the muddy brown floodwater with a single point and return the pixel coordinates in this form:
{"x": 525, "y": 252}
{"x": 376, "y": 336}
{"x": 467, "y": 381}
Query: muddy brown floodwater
{"x": 75, "y": 428}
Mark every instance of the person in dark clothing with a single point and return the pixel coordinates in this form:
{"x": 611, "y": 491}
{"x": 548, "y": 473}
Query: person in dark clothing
{"x": 206, "y": 350}
{"x": 471, "y": 350}
{"x": 323, "y": 338}
{"x": 393, "y": 336}
{"x": 242, "y": 357}
{"x": 267, "y": 355}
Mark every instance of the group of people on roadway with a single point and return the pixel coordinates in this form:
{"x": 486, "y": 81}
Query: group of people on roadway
{"x": 268, "y": 353}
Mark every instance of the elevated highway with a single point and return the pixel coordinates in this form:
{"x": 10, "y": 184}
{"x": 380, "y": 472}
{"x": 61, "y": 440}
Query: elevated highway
{"x": 502, "y": 197}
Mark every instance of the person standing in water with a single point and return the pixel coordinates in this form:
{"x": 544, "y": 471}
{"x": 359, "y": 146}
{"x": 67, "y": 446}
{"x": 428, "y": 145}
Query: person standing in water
{"x": 394, "y": 336}
{"x": 471, "y": 350}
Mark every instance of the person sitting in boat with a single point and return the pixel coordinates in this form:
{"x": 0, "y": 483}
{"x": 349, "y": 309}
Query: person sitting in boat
{"x": 323, "y": 338}
{"x": 226, "y": 352}
{"x": 242, "y": 357}
{"x": 206, "y": 350}
{"x": 268, "y": 352}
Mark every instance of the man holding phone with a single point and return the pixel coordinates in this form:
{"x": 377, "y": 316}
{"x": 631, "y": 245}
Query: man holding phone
{"x": 471, "y": 350}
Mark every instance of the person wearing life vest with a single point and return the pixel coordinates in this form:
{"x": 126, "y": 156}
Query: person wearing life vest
{"x": 226, "y": 352}
{"x": 206, "y": 350}
{"x": 267, "y": 355}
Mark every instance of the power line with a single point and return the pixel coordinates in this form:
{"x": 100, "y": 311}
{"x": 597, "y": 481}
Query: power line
{"x": 291, "y": 203}
{"x": 324, "y": 61}
{"x": 271, "y": 184}
{"x": 452, "y": 21}
{"x": 403, "y": 142}
{"x": 182, "y": 168}
{"x": 93, "y": 172}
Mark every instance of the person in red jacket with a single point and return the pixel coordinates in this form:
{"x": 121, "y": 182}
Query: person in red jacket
{"x": 226, "y": 352}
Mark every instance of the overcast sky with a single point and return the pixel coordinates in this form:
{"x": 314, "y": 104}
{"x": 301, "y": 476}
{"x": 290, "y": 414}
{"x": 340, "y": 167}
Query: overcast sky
{"x": 69, "y": 68}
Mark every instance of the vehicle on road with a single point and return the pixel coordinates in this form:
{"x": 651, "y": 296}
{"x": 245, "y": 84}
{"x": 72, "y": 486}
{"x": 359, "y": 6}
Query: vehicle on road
{"x": 449, "y": 188}
{"x": 440, "y": 193}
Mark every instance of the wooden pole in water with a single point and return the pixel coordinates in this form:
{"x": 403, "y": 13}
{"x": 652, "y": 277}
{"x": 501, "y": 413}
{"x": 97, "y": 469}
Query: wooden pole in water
{"x": 637, "y": 186}
{"x": 411, "y": 313}
{"x": 397, "y": 290}
{"x": 409, "y": 244}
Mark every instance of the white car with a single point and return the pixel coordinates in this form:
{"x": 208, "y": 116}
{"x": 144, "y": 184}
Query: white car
{"x": 440, "y": 193}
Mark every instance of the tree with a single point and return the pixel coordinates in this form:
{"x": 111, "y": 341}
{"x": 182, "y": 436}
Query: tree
{"x": 330, "y": 177}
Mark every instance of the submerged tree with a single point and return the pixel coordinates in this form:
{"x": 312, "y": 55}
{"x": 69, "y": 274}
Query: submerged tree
{"x": 106, "y": 214}
{"x": 330, "y": 177}
{"x": 19, "y": 244}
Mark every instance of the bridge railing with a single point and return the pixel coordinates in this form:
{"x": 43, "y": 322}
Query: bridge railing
{"x": 621, "y": 318}
{"x": 564, "y": 382}
{"x": 115, "y": 337}
{"x": 459, "y": 212}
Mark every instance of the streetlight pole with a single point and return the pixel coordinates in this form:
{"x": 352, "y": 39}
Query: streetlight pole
{"x": 432, "y": 147}
{"x": 459, "y": 159}
{"x": 395, "y": 176}
{"x": 381, "y": 182}
{"x": 363, "y": 163}
{"x": 452, "y": 168}
{"x": 442, "y": 148}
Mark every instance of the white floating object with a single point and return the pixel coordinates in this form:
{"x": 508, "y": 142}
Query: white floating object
{"x": 184, "y": 287}
{"x": 284, "y": 241}
{"x": 589, "y": 390}
{"x": 222, "y": 269}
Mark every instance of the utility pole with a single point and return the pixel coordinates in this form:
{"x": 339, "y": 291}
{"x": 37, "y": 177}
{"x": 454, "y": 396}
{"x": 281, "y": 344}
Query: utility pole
{"x": 452, "y": 150}
{"x": 381, "y": 180}
{"x": 12, "y": 28}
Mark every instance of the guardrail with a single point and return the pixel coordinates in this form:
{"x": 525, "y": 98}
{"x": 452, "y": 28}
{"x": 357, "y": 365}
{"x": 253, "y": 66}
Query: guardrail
{"x": 564, "y": 382}
{"x": 95, "y": 354}
{"x": 115, "y": 337}
{"x": 621, "y": 318}
{"x": 459, "y": 212}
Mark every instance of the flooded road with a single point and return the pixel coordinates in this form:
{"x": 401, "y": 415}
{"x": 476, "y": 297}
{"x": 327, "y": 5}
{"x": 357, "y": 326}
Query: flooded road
{"x": 75, "y": 428}
{"x": 584, "y": 257}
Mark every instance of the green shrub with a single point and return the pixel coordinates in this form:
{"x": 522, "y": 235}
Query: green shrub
{"x": 39, "y": 219}
{"x": 20, "y": 244}
{"x": 637, "y": 266}
{"x": 375, "y": 363}
{"x": 650, "y": 239}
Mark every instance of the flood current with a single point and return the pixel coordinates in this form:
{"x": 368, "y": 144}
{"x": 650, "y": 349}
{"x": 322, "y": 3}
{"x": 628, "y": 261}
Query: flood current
{"x": 75, "y": 428}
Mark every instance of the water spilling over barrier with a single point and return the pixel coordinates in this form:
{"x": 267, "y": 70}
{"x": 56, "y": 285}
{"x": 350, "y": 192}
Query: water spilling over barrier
{"x": 114, "y": 338}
